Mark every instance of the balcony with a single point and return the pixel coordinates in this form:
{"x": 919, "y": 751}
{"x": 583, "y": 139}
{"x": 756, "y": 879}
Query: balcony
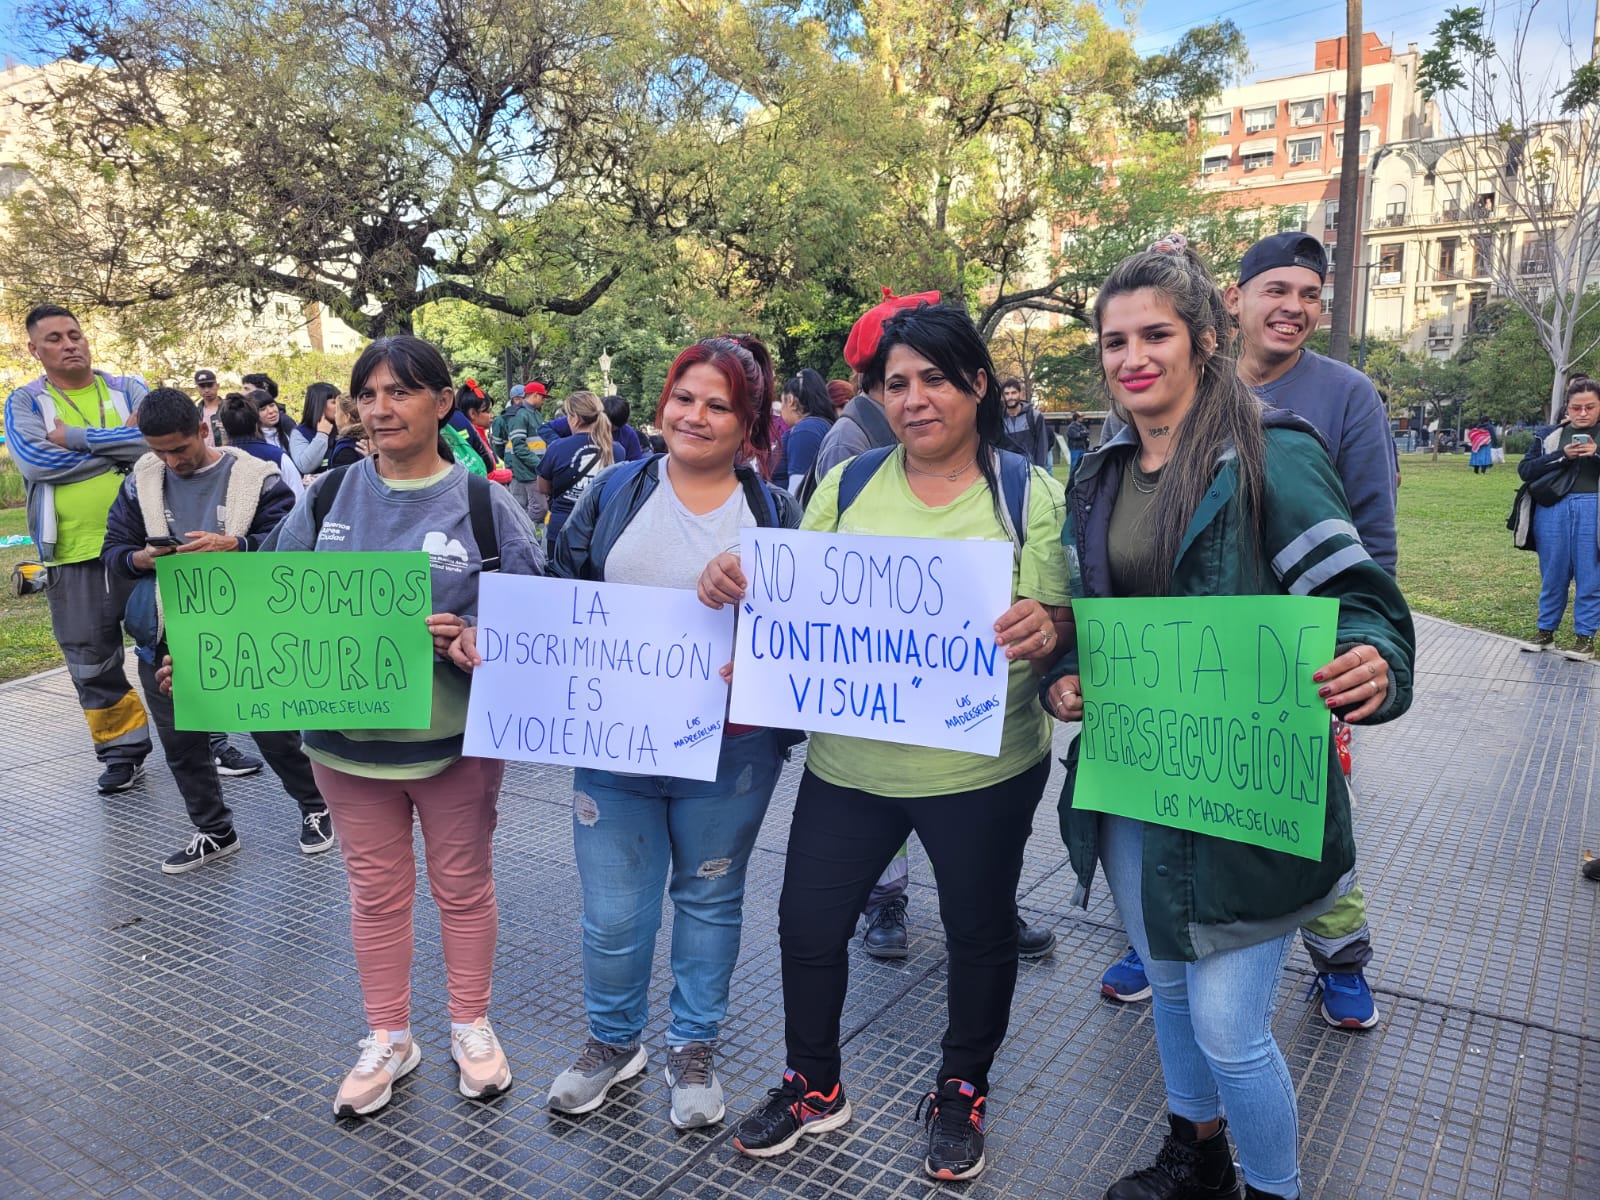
{"x": 1441, "y": 335}
{"x": 1533, "y": 265}
{"x": 1449, "y": 214}
{"x": 1393, "y": 220}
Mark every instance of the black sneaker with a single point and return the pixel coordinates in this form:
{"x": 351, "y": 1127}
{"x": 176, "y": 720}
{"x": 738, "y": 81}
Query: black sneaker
{"x": 1186, "y": 1168}
{"x": 119, "y": 777}
{"x": 1034, "y": 943}
{"x": 1591, "y": 866}
{"x": 230, "y": 760}
{"x": 886, "y": 934}
{"x": 316, "y": 832}
{"x": 202, "y": 848}
{"x": 790, "y": 1113}
{"x": 955, "y": 1130}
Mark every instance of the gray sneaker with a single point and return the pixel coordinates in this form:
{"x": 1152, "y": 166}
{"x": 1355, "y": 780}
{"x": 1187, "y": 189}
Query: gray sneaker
{"x": 582, "y": 1087}
{"x": 696, "y": 1090}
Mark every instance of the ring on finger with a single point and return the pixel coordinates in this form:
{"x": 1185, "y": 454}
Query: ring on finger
{"x": 1373, "y": 684}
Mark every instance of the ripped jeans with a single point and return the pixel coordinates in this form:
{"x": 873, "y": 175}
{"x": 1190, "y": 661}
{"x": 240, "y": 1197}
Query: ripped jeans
{"x": 637, "y": 834}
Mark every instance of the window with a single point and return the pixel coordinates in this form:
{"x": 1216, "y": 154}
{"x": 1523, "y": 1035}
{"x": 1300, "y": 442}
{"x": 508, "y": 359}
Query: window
{"x": 1364, "y": 147}
{"x": 1292, "y": 218}
{"x": 1217, "y": 123}
{"x": 1305, "y": 150}
{"x": 1482, "y": 254}
{"x": 1394, "y": 214}
{"x": 1391, "y": 263}
{"x": 1448, "y": 249}
{"x": 1327, "y": 300}
{"x": 1330, "y": 214}
{"x": 1450, "y": 210}
{"x": 1306, "y": 112}
{"x": 1366, "y": 104}
{"x": 1259, "y": 161}
{"x": 1544, "y": 195}
{"x": 1260, "y": 118}
{"x": 1214, "y": 164}
{"x": 1484, "y": 207}
{"x": 1534, "y": 259}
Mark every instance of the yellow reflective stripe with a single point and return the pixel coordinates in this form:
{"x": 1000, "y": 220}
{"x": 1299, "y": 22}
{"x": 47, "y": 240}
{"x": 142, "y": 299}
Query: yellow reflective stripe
{"x": 124, "y": 717}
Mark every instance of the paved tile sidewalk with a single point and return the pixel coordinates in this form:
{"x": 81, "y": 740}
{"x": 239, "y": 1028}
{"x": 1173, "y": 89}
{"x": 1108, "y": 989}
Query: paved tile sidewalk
{"x": 182, "y": 1036}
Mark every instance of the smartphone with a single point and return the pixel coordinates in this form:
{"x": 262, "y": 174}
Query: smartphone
{"x": 1581, "y": 439}
{"x": 163, "y": 541}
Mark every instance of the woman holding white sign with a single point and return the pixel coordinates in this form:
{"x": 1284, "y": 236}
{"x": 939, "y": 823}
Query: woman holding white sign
{"x": 408, "y": 496}
{"x": 656, "y": 522}
{"x": 1208, "y": 493}
{"x": 859, "y": 799}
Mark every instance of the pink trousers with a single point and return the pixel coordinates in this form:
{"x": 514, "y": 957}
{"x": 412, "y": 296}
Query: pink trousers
{"x": 372, "y": 817}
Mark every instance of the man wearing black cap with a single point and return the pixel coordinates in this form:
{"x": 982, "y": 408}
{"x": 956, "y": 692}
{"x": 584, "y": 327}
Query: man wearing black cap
{"x": 1277, "y": 303}
{"x": 205, "y": 380}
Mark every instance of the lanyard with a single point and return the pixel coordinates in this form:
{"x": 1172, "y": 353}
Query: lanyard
{"x": 102, "y": 394}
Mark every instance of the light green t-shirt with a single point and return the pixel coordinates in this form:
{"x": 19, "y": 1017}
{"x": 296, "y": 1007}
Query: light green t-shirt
{"x": 887, "y": 506}
{"x": 81, "y": 507}
{"x": 449, "y": 714}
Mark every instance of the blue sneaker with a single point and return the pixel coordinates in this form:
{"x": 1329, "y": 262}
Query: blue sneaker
{"x": 1125, "y": 979}
{"x": 1347, "y": 1001}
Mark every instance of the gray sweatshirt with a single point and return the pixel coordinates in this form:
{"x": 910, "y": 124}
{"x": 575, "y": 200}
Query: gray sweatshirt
{"x": 368, "y": 514}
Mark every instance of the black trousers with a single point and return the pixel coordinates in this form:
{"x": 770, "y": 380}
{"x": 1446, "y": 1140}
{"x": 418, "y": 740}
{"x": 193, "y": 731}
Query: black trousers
{"x": 189, "y": 756}
{"x": 839, "y": 842}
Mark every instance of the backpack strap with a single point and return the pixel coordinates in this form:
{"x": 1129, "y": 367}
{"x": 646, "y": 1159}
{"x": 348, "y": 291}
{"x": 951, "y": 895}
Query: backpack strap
{"x": 480, "y": 510}
{"x": 858, "y": 472}
{"x": 758, "y": 495}
{"x": 322, "y": 502}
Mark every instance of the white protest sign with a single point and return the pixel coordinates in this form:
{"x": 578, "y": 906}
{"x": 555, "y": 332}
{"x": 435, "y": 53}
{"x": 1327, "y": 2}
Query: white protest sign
{"x": 875, "y": 637}
{"x": 603, "y": 675}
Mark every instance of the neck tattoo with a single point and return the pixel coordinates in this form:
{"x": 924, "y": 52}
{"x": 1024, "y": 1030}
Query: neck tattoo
{"x": 1161, "y": 431}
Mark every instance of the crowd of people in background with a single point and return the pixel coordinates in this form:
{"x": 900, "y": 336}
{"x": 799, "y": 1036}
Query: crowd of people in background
{"x": 1234, "y": 461}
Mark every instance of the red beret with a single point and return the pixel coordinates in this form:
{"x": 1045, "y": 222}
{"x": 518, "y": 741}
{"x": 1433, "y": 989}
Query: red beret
{"x": 862, "y": 343}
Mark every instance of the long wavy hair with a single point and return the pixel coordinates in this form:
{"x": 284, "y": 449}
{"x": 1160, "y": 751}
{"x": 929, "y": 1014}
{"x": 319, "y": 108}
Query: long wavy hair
{"x": 1225, "y": 418}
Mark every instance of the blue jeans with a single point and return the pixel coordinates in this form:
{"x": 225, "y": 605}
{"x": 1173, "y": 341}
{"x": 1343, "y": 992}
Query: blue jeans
{"x": 1214, "y": 1028}
{"x": 1565, "y": 536}
{"x": 627, "y": 831}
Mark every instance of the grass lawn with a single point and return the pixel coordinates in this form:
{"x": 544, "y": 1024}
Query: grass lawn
{"x": 1456, "y": 562}
{"x": 26, "y": 645}
{"x": 1456, "y": 557}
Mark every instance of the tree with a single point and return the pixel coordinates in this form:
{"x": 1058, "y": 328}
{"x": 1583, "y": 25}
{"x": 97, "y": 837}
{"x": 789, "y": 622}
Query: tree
{"x": 1508, "y": 373}
{"x": 1529, "y": 133}
{"x": 1020, "y": 102}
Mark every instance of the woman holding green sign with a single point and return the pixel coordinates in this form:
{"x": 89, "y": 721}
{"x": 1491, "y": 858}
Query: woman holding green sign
{"x": 408, "y": 496}
{"x": 1206, "y": 493}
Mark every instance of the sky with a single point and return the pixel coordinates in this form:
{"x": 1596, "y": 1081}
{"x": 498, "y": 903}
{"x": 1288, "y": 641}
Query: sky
{"x": 1281, "y": 33}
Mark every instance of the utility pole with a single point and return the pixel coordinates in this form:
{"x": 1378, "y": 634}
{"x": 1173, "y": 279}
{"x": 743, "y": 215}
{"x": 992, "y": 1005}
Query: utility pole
{"x": 1349, "y": 225}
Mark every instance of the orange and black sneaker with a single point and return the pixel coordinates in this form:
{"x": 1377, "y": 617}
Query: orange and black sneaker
{"x": 790, "y": 1113}
{"x": 955, "y": 1130}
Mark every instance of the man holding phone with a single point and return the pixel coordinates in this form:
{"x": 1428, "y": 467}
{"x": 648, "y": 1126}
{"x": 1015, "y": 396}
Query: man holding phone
{"x": 189, "y": 497}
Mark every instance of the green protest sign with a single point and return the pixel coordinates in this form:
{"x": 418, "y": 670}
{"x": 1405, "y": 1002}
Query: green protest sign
{"x": 299, "y": 640}
{"x": 1200, "y": 713}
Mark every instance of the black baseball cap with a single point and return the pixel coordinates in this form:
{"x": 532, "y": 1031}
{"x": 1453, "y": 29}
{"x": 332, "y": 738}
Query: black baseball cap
{"x": 204, "y": 376}
{"x": 1284, "y": 250}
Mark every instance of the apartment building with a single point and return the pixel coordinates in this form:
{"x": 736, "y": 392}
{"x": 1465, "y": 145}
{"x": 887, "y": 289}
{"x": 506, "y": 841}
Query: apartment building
{"x": 1277, "y": 144}
{"x": 1458, "y": 221}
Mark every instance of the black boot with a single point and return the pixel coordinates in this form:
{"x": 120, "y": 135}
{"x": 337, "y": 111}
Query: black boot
{"x": 1187, "y": 1168}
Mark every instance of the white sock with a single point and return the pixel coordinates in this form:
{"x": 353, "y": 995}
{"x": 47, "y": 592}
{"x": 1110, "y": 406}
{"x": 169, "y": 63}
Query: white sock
{"x": 457, "y": 1026}
{"x": 395, "y": 1036}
